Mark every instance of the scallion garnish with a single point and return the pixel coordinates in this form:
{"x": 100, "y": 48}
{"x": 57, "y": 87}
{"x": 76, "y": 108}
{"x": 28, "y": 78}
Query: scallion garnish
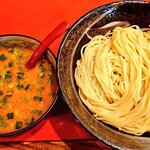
{"x": 37, "y": 98}
{"x": 19, "y": 86}
{"x": 10, "y": 64}
{"x": 3, "y": 100}
{"x": 2, "y": 57}
{"x": 20, "y": 75}
{"x": 11, "y": 50}
{"x": 8, "y": 76}
{"x": 18, "y": 125}
{"x": 27, "y": 87}
{"x": 1, "y": 93}
{"x": 36, "y": 111}
{"x": 10, "y": 115}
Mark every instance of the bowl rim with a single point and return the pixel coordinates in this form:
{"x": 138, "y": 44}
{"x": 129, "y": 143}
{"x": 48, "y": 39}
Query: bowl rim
{"x": 65, "y": 98}
{"x": 27, "y": 128}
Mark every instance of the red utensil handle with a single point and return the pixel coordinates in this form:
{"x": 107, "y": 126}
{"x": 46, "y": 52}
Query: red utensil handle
{"x": 49, "y": 39}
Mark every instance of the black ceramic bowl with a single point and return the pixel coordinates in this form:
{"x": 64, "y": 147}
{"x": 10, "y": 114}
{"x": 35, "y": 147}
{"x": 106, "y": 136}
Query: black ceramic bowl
{"x": 29, "y": 43}
{"x": 135, "y": 12}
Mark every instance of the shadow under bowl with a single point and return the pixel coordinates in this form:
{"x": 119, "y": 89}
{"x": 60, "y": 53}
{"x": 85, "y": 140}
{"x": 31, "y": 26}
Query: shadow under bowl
{"x": 135, "y": 12}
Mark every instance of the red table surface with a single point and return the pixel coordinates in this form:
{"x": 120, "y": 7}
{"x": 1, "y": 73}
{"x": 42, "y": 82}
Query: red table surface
{"x": 36, "y": 18}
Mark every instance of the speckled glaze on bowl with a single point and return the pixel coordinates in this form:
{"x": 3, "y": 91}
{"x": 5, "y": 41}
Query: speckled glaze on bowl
{"x": 15, "y": 40}
{"x": 136, "y": 12}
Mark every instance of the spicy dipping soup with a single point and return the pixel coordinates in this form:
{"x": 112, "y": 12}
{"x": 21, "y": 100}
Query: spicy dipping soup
{"x": 25, "y": 94}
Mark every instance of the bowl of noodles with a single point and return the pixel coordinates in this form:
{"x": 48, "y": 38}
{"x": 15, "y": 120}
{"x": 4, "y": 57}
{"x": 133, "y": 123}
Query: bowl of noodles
{"x": 103, "y": 73}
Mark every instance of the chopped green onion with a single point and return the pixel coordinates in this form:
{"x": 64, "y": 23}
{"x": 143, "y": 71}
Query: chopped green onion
{"x": 28, "y": 121}
{"x": 49, "y": 81}
{"x": 8, "y": 76}
{"x": 37, "y": 98}
{"x": 10, "y": 64}
{"x": 20, "y": 53}
{"x": 9, "y": 93}
{"x": 20, "y": 75}
{"x": 1, "y": 93}
{"x": 10, "y": 115}
{"x": 36, "y": 111}
{"x": 11, "y": 50}
{"x": 19, "y": 86}
{"x": 5, "y": 66}
{"x": 41, "y": 74}
{"x": 41, "y": 64}
{"x": 3, "y": 100}
{"x": 18, "y": 125}
{"x": 27, "y": 87}
{"x": 2, "y": 57}
{"x": 21, "y": 69}
{"x": 3, "y": 125}
{"x": 43, "y": 69}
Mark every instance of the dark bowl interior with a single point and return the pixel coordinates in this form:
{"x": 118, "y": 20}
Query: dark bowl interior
{"x": 30, "y": 43}
{"x": 135, "y": 12}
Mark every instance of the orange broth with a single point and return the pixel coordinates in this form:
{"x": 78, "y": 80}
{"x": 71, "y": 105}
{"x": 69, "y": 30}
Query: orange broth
{"x": 25, "y": 95}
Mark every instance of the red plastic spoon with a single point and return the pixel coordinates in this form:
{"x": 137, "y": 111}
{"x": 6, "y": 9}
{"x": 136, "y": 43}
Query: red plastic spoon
{"x": 49, "y": 39}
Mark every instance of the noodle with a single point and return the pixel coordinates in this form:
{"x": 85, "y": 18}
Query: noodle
{"x": 113, "y": 77}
